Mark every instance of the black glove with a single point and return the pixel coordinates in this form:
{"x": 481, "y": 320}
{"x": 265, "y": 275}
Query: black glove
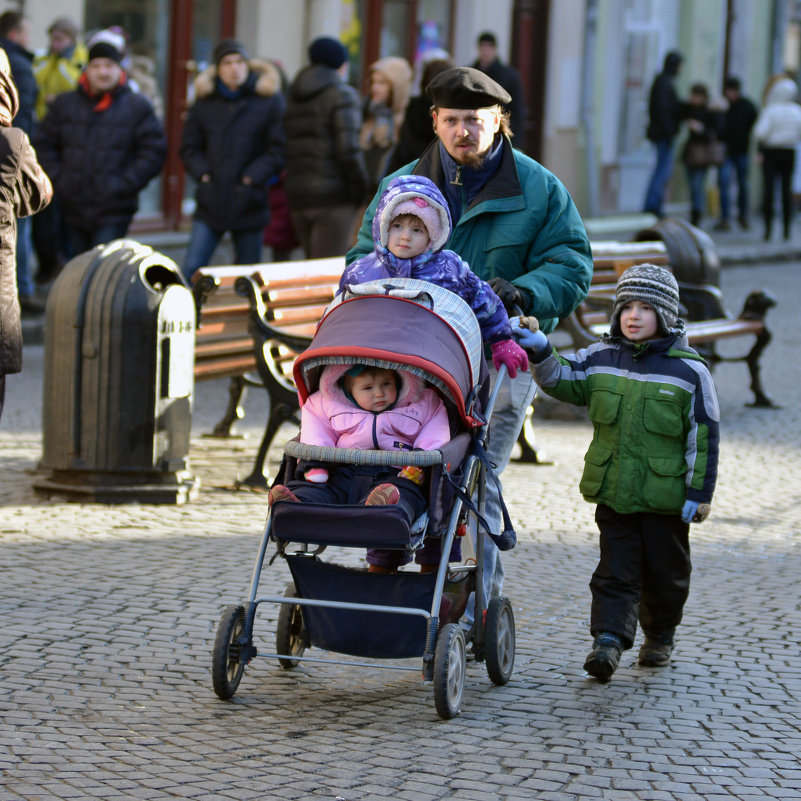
{"x": 510, "y": 295}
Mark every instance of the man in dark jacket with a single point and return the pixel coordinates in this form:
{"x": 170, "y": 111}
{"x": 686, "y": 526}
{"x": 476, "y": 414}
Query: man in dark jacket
{"x": 101, "y": 144}
{"x": 664, "y": 113}
{"x": 26, "y": 190}
{"x": 233, "y": 146}
{"x": 508, "y": 77}
{"x": 737, "y": 124}
{"x": 326, "y": 175}
{"x": 14, "y": 39}
{"x": 516, "y": 226}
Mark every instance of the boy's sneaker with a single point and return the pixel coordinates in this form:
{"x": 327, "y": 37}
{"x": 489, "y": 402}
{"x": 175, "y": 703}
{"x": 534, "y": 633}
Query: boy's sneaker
{"x": 602, "y": 661}
{"x": 656, "y": 651}
{"x": 383, "y": 495}
{"x": 280, "y": 493}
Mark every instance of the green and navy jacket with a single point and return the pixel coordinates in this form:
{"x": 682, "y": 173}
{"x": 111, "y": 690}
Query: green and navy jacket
{"x": 655, "y": 417}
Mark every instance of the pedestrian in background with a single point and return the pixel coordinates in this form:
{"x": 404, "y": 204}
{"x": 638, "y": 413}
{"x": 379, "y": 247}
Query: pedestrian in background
{"x": 233, "y": 146}
{"x": 326, "y": 178}
{"x": 778, "y": 132}
{"x": 703, "y": 148}
{"x": 101, "y": 144}
{"x": 416, "y": 133}
{"x": 652, "y": 464}
{"x": 736, "y": 133}
{"x": 15, "y": 34}
{"x": 664, "y": 117}
{"x": 508, "y": 77}
{"x": 389, "y": 87}
{"x": 26, "y": 190}
{"x": 56, "y": 70}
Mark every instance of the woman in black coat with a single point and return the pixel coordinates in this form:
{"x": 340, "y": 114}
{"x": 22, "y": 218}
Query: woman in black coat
{"x": 233, "y": 146}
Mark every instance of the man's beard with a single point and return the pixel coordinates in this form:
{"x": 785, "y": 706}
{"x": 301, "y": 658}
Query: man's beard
{"x": 473, "y": 160}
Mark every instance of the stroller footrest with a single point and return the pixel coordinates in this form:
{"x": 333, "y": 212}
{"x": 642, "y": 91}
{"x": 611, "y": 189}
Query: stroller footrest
{"x": 343, "y": 525}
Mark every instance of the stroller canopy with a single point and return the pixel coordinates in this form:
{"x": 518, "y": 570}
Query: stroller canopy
{"x": 401, "y": 322}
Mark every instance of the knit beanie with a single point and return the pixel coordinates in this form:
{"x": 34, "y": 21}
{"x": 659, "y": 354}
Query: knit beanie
{"x": 105, "y": 50}
{"x": 648, "y": 284}
{"x": 328, "y": 52}
{"x": 65, "y": 25}
{"x": 229, "y": 47}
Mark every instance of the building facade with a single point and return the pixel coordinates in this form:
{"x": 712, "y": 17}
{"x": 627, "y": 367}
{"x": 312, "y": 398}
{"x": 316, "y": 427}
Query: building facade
{"x": 586, "y": 65}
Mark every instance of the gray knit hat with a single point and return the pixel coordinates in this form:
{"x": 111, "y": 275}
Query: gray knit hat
{"x": 648, "y": 284}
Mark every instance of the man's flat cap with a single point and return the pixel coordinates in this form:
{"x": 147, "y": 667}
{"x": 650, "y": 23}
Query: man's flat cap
{"x": 465, "y": 87}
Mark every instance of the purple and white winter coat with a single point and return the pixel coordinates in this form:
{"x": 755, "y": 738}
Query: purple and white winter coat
{"x": 442, "y": 267}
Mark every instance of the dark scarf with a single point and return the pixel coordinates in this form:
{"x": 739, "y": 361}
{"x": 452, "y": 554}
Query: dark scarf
{"x": 471, "y": 179}
{"x": 104, "y": 100}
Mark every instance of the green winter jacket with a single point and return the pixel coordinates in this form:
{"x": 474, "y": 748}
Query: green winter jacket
{"x": 655, "y": 417}
{"x": 522, "y": 226}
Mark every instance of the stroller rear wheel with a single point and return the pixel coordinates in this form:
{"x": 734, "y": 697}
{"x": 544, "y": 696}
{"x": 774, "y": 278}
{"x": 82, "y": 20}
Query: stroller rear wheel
{"x": 291, "y": 637}
{"x": 450, "y": 663}
{"x": 499, "y": 640}
{"x": 227, "y": 664}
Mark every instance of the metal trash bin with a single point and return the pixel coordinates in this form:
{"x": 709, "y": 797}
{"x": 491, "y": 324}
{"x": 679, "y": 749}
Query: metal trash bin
{"x": 695, "y": 263}
{"x": 118, "y": 378}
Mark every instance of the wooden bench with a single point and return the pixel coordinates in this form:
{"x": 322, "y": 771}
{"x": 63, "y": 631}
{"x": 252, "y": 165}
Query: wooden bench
{"x": 291, "y": 296}
{"x": 706, "y": 317}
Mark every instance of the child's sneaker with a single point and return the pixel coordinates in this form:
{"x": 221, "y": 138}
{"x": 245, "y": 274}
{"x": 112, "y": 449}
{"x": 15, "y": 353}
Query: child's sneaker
{"x": 280, "y": 493}
{"x": 383, "y": 495}
{"x": 602, "y": 661}
{"x": 656, "y": 651}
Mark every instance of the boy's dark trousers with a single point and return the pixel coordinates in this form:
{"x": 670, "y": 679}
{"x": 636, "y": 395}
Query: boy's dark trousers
{"x": 643, "y": 573}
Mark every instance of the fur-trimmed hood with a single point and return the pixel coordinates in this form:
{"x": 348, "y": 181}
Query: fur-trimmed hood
{"x": 267, "y": 79}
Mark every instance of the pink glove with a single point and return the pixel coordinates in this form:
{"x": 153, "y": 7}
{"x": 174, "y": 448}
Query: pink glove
{"x": 508, "y": 352}
{"x": 317, "y": 475}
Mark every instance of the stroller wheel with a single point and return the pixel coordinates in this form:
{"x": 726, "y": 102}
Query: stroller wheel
{"x": 291, "y": 637}
{"x": 227, "y": 664}
{"x": 499, "y": 640}
{"x": 449, "y": 671}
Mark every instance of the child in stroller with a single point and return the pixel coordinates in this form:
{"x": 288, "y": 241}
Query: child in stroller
{"x": 364, "y": 406}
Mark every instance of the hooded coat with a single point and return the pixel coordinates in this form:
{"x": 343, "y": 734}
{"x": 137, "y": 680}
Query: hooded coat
{"x": 779, "y": 123}
{"x": 325, "y": 165}
{"x": 418, "y": 418}
{"x": 24, "y": 190}
{"x": 229, "y": 136}
{"x": 438, "y": 266}
{"x": 100, "y": 155}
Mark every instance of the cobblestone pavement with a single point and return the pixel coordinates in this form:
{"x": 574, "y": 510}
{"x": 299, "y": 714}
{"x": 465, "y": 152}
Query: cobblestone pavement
{"x": 109, "y": 613}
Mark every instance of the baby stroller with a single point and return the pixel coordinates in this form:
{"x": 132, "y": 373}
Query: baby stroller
{"x": 345, "y": 609}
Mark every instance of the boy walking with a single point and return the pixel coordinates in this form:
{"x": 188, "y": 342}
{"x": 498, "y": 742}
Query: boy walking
{"x": 651, "y": 466}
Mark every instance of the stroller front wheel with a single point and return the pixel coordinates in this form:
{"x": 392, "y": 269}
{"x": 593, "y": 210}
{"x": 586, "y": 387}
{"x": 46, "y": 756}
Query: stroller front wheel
{"x": 499, "y": 640}
{"x": 450, "y": 665}
{"x": 227, "y": 663}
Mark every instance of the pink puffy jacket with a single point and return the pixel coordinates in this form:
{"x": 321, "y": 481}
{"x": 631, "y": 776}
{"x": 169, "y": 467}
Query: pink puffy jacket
{"x": 417, "y": 420}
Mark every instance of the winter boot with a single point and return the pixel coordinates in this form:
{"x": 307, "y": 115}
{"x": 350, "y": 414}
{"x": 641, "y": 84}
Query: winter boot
{"x": 383, "y": 495}
{"x": 603, "y": 660}
{"x": 656, "y": 650}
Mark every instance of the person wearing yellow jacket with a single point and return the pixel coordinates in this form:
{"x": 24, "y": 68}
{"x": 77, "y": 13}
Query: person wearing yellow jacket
{"x": 56, "y": 70}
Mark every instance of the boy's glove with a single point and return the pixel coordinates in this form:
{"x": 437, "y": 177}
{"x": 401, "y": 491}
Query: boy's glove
{"x": 317, "y": 475}
{"x": 508, "y": 352}
{"x": 509, "y": 294}
{"x": 694, "y": 512}
{"x": 413, "y": 473}
{"x": 526, "y": 330}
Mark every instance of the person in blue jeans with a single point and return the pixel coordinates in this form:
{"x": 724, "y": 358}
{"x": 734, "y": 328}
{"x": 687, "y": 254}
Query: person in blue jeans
{"x": 233, "y": 147}
{"x": 737, "y": 124}
{"x": 664, "y": 110}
